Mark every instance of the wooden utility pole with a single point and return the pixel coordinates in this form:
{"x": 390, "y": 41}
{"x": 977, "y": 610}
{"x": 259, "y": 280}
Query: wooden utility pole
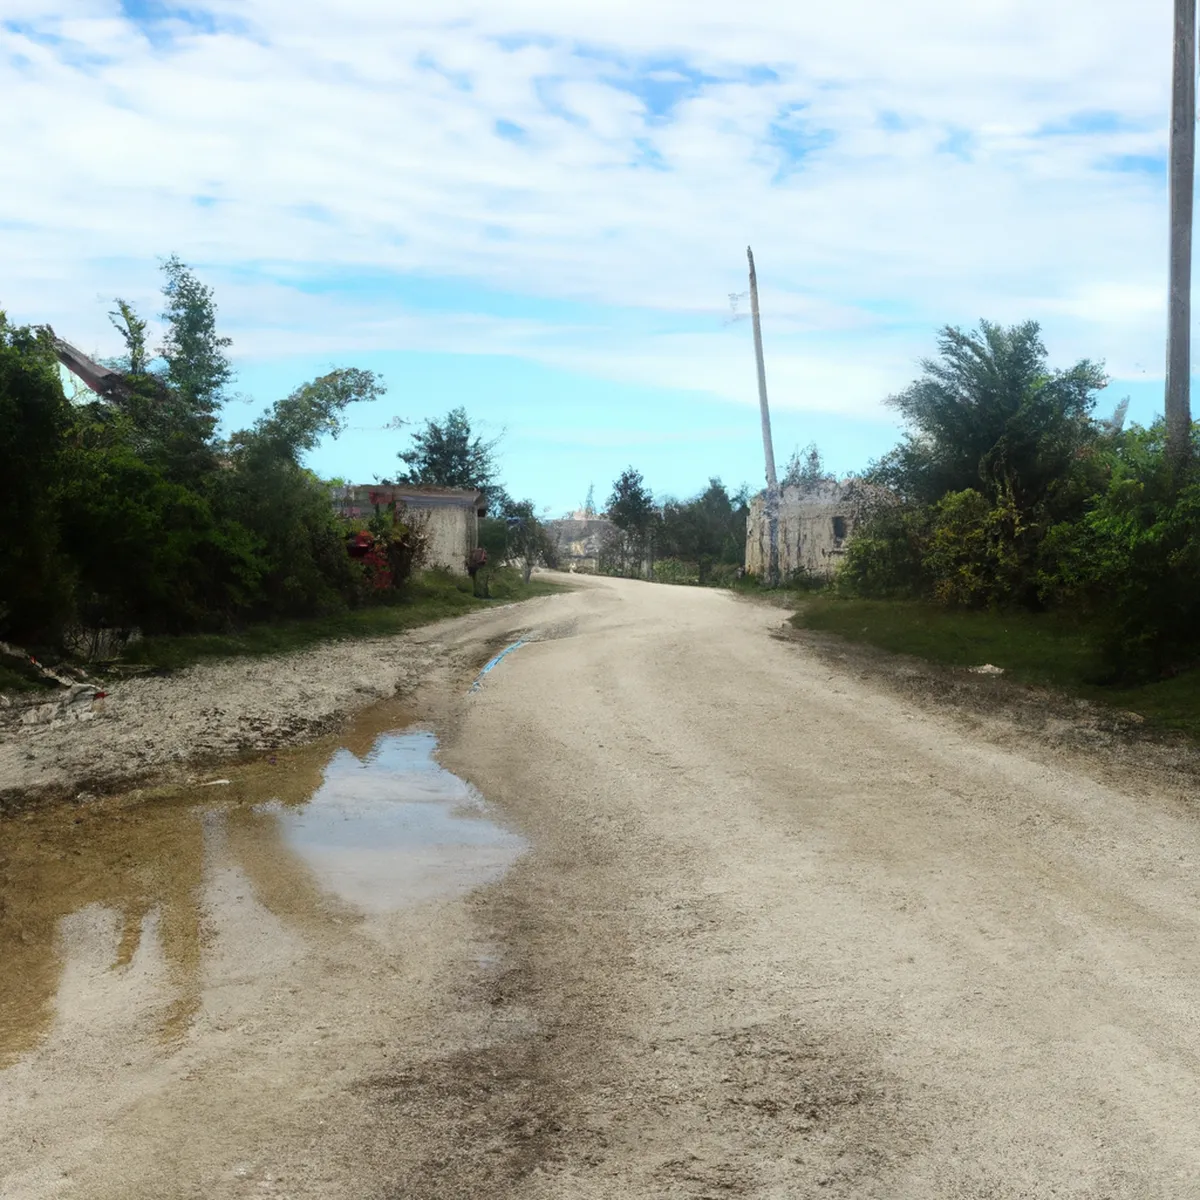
{"x": 772, "y": 506}
{"x": 1179, "y": 287}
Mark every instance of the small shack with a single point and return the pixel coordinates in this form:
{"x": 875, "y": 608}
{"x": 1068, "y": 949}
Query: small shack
{"x": 449, "y": 517}
{"x": 815, "y": 524}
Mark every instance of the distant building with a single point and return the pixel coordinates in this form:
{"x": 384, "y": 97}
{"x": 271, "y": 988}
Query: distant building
{"x": 577, "y": 541}
{"x": 815, "y": 525}
{"x": 448, "y": 516}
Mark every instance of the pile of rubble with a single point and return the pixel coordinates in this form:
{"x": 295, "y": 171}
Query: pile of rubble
{"x": 74, "y": 696}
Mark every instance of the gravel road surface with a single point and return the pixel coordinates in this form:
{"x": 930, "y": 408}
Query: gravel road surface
{"x": 782, "y": 930}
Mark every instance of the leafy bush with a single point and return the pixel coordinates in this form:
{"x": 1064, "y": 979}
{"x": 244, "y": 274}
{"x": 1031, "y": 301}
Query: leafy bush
{"x": 36, "y": 578}
{"x": 724, "y": 574}
{"x": 1131, "y": 565}
{"x": 804, "y": 580}
{"x": 974, "y": 555}
{"x": 151, "y": 553}
{"x": 674, "y": 570}
{"x": 493, "y": 537}
{"x": 885, "y": 557}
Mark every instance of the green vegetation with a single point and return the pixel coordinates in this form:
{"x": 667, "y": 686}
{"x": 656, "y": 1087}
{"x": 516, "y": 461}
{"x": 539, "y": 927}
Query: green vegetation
{"x": 125, "y": 511}
{"x": 1044, "y": 649}
{"x": 1008, "y": 497}
{"x": 128, "y": 512}
{"x": 700, "y": 541}
{"x": 1041, "y": 649}
{"x": 430, "y": 596}
{"x": 806, "y": 469}
{"x": 18, "y": 676}
{"x": 447, "y": 454}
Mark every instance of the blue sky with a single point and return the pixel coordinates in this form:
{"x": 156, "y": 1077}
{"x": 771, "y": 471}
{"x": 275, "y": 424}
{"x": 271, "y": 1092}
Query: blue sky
{"x": 539, "y": 210}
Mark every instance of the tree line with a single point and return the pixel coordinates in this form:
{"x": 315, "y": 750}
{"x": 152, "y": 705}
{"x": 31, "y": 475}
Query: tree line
{"x": 699, "y": 540}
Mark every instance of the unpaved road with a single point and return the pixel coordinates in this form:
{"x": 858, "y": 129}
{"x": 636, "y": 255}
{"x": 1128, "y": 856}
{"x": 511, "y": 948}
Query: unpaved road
{"x": 780, "y": 932}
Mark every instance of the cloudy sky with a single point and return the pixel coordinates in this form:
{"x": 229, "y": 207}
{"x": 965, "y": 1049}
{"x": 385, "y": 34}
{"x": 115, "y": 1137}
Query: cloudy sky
{"x": 539, "y": 209}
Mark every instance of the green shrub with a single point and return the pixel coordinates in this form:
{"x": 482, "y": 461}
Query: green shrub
{"x": 974, "y": 554}
{"x": 36, "y": 577}
{"x": 885, "y": 557}
{"x": 152, "y": 553}
{"x": 1131, "y": 565}
{"x": 804, "y": 580}
{"x": 724, "y": 575}
{"x": 674, "y": 570}
{"x": 493, "y": 537}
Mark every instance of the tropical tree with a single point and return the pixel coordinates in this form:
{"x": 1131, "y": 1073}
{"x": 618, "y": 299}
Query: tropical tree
{"x": 197, "y": 367}
{"x": 302, "y": 555}
{"x": 313, "y": 411}
{"x": 990, "y": 415}
{"x": 174, "y": 405}
{"x": 446, "y": 453}
{"x": 706, "y": 530}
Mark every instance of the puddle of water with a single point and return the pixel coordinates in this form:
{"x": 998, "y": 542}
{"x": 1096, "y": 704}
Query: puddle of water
{"x": 396, "y": 828}
{"x": 325, "y": 834}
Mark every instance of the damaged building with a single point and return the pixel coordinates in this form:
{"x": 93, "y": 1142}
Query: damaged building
{"x": 815, "y": 524}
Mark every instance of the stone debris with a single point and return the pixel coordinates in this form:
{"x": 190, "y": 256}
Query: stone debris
{"x": 988, "y": 669}
{"x": 41, "y": 714}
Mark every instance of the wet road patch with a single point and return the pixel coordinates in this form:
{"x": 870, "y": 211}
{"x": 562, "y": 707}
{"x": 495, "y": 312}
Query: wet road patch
{"x": 94, "y": 899}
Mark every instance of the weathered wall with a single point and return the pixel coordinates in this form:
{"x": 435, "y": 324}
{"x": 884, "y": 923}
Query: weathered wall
{"x": 808, "y": 535}
{"x": 448, "y": 517}
{"x": 578, "y": 542}
{"x": 453, "y": 533}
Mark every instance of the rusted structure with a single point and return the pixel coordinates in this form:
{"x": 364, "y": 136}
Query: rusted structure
{"x": 104, "y": 381}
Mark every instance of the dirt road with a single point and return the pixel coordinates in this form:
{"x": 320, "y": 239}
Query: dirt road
{"x": 778, "y": 932}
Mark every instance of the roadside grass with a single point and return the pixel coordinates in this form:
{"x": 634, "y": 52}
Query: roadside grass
{"x": 790, "y": 593}
{"x": 1038, "y": 649}
{"x": 431, "y": 596}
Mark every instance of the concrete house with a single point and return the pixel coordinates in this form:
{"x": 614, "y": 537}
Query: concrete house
{"x": 814, "y": 527}
{"x": 449, "y": 516}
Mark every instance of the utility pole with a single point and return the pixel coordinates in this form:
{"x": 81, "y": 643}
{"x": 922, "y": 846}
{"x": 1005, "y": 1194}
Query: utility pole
{"x": 1179, "y": 287}
{"x": 768, "y": 449}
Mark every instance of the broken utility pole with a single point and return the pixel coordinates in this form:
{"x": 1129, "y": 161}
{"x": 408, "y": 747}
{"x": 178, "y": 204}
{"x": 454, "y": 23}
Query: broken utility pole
{"x": 1179, "y": 287}
{"x": 772, "y": 506}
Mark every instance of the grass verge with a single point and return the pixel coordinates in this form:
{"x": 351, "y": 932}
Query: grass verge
{"x": 432, "y": 596}
{"x": 1035, "y": 649}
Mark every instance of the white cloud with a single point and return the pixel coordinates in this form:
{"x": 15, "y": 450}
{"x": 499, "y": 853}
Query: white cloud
{"x": 364, "y": 113}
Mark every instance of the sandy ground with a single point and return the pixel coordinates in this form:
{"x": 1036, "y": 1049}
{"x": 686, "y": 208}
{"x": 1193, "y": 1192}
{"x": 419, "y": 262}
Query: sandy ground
{"x": 786, "y": 928}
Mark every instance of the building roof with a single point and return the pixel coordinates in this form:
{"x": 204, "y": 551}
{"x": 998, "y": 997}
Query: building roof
{"x": 412, "y": 495}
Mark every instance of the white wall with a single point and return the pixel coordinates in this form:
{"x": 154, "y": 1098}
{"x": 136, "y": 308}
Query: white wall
{"x": 453, "y": 533}
{"x": 806, "y": 531}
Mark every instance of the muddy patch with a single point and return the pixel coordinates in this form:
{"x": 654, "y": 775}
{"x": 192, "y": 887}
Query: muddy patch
{"x": 93, "y": 896}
